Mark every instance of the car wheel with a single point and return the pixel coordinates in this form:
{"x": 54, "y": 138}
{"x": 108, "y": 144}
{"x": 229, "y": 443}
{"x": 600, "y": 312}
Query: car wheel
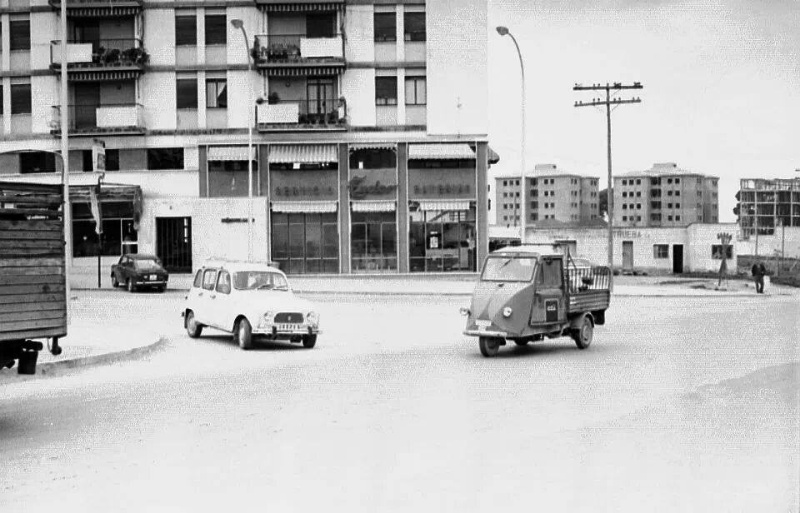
{"x": 243, "y": 334}
{"x": 130, "y": 285}
{"x": 489, "y": 346}
{"x": 309, "y": 341}
{"x": 193, "y": 328}
{"x": 114, "y": 282}
{"x": 583, "y": 334}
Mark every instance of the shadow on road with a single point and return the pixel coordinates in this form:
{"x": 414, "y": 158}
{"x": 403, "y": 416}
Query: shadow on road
{"x": 259, "y": 344}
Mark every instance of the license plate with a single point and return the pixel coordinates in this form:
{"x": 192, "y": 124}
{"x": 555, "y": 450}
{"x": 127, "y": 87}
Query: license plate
{"x": 289, "y": 327}
{"x": 153, "y": 277}
{"x": 483, "y": 324}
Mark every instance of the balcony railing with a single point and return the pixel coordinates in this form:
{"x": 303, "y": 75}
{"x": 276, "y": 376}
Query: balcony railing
{"x": 103, "y": 53}
{"x": 113, "y": 118}
{"x": 298, "y": 48}
{"x": 302, "y": 114}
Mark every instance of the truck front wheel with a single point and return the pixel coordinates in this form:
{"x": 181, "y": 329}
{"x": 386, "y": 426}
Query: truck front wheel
{"x": 489, "y": 346}
{"x": 582, "y": 335}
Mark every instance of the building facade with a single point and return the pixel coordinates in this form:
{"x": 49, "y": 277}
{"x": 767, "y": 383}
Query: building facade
{"x": 765, "y": 205}
{"x": 330, "y": 137}
{"x": 554, "y": 197}
{"x": 665, "y": 196}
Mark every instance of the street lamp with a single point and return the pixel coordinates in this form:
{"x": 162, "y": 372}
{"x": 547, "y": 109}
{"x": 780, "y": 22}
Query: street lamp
{"x": 503, "y": 31}
{"x": 239, "y": 24}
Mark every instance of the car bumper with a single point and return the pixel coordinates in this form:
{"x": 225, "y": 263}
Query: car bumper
{"x": 273, "y": 331}
{"x": 151, "y": 283}
{"x": 486, "y": 333}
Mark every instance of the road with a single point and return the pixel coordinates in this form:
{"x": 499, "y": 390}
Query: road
{"x": 680, "y": 404}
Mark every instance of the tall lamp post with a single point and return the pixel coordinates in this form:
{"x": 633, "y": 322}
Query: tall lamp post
{"x": 503, "y": 31}
{"x": 239, "y": 24}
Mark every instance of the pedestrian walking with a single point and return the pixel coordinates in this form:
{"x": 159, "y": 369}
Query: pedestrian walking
{"x": 758, "y": 271}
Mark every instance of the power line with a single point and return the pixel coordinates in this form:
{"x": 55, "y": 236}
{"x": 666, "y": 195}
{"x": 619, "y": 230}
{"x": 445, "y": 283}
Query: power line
{"x": 609, "y": 102}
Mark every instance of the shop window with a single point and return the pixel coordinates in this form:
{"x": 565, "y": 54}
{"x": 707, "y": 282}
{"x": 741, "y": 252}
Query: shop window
{"x": 442, "y": 241}
{"x": 716, "y": 252}
{"x": 186, "y": 93}
{"x": 216, "y": 29}
{"x": 229, "y": 178}
{"x": 20, "y": 35}
{"x": 185, "y": 28}
{"x": 164, "y": 158}
{"x": 373, "y": 242}
{"x": 118, "y": 232}
{"x": 385, "y": 90}
{"x": 20, "y": 98}
{"x": 37, "y": 162}
{"x": 660, "y": 250}
{"x": 414, "y": 26}
{"x": 305, "y": 243}
{"x": 373, "y": 158}
{"x": 385, "y": 27}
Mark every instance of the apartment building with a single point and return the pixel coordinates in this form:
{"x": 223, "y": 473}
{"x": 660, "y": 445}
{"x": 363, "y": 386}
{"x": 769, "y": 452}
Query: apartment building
{"x": 767, "y": 204}
{"x": 359, "y": 128}
{"x": 665, "y": 195}
{"x": 554, "y": 197}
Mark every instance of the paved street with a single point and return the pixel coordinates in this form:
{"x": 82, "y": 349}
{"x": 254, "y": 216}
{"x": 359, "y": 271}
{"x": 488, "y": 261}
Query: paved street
{"x": 680, "y": 404}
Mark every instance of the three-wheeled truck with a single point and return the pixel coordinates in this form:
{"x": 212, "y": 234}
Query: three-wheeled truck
{"x": 32, "y": 276}
{"x": 527, "y": 293}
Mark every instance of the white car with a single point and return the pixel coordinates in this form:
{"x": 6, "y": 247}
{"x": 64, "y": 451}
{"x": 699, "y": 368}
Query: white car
{"x": 249, "y": 300}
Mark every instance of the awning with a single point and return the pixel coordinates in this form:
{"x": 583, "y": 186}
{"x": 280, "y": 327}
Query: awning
{"x": 102, "y": 12}
{"x": 444, "y": 205}
{"x": 313, "y": 207}
{"x": 303, "y": 153}
{"x": 373, "y": 146}
{"x": 299, "y": 5}
{"x": 374, "y": 206}
{"x": 226, "y": 153}
{"x": 102, "y": 74}
{"x": 494, "y": 158}
{"x": 285, "y": 70}
{"x": 440, "y": 152}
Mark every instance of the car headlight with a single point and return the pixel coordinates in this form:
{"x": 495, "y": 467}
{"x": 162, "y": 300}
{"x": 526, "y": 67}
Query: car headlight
{"x": 464, "y": 311}
{"x": 312, "y": 317}
{"x": 268, "y": 317}
{"x": 507, "y": 311}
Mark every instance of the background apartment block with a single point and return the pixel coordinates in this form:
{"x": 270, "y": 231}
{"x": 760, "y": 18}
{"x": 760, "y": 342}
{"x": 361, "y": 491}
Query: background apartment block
{"x": 554, "y": 197}
{"x": 369, "y": 126}
{"x": 767, "y": 204}
{"x": 665, "y": 195}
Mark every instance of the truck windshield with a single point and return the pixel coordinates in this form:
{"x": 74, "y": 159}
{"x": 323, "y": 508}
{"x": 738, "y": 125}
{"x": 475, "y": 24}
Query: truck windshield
{"x": 508, "y": 268}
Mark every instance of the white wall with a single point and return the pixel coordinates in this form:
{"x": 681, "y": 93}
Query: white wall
{"x": 359, "y": 27}
{"x": 44, "y": 94}
{"x": 770, "y": 245}
{"x": 159, "y": 36}
{"x": 358, "y": 87}
{"x": 237, "y": 51}
{"x": 241, "y": 84}
{"x": 457, "y": 58}
{"x": 45, "y": 27}
{"x": 158, "y": 98}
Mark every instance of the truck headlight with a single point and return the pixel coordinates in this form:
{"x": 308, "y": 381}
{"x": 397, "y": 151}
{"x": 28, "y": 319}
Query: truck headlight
{"x": 312, "y": 317}
{"x": 507, "y": 311}
{"x": 464, "y": 311}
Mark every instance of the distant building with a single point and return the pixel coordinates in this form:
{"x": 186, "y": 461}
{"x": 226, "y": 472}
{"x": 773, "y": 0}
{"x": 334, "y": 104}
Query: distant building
{"x": 554, "y": 197}
{"x": 665, "y": 196}
{"x": 766, "y": 204}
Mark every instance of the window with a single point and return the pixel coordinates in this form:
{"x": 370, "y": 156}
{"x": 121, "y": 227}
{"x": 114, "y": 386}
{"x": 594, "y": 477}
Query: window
{"x": 1, "y": 96}
{"x": 655, "y": 204}
{"x": 20, "y": 98}
{"x": 677, "y": 180}
{"x": 638, "y": 206}
{"x": 660, "y": 250}
{"x": 216, "y": 93}
{"x": 20, "y": 35}
{"x": 216, "y": 29}
{"x": 164, "y": 158}
{"x": 198, "y": 280}
{"x": 414, "y": 26}
{"x": 669, "y": 218}
{"x": 37, "y": 162}
{"x": 112, "y": 160}
{"x": 185, "y": 29}
{"x": 416, "y": 91}
{"x": 716, "y": 252}
{"x": 385, "y": 90}
{"x": 624, "y": 218}
{"x": 186, "y": 93}
{"x": 677, "y": 218}
{"x": 677, "y": 193}
{"x": 624, "y": 194}
{"x": 224, "y": 282}
{"x": 638, "y": 181}
{"x": 505, "y": 183}
{"x": 624, "y": 182}
{"x": 209, "y": 279}
{"x": 385, "y": 27}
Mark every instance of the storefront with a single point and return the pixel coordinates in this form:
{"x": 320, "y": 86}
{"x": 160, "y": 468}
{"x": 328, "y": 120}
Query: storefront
{"x": 303, "y": 208}
{"x": 119, "y": 207}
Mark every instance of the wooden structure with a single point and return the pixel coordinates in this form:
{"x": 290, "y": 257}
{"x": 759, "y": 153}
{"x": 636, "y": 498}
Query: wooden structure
{"x": 32, "y": 272}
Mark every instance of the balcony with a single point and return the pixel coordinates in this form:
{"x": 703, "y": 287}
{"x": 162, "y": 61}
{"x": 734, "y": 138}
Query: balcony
{"x": 99, "y": 8}
{"x": 297, "y": 55}
{"x": 101, "y": 60}
{"x": 305, "y": 115}
{"x": 101, "y": 119}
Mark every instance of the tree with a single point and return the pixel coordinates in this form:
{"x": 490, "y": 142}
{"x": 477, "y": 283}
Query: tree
{"x": 603, "y": 198}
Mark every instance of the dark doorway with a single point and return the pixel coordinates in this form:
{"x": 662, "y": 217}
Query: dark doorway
{"x": 174, "y": 243}
{"x": 677, "y": 258}
{"x": 87, "y": 99}
{"x": 627, "y": 255}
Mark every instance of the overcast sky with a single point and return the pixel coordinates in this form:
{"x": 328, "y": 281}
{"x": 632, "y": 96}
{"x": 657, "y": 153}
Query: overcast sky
{"x": 721, "y": 86}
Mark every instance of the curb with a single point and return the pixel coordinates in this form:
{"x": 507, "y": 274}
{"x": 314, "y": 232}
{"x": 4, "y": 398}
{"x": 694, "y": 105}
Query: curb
{"x": 46, "y": 368}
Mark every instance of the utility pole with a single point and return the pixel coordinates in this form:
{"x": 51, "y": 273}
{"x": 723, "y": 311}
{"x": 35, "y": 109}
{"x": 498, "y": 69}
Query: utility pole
{"x": 608, "y": 102}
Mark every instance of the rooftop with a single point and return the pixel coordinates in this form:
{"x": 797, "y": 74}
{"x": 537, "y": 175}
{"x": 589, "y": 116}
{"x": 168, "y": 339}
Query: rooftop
{"x": 663, "y": 169}
{"x": 542, "y": 170}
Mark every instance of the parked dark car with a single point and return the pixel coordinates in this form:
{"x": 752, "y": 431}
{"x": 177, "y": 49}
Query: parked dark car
{"x": 139, "y": 272}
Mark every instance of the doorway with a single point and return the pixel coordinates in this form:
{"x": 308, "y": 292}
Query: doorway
{"x": 320, "y": 99}
{"x": 87, "y": 99}
{"x": 677, "y": 258}
{"x": 174, "y": 243}
{"x": 627, "y": 255}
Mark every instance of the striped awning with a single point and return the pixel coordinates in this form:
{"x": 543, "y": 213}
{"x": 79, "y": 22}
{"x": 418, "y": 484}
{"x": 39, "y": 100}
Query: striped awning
{"x": 227, "y": 153}
{"x": 440, "y": 152}
{"x": 299, "y": 5}
{"x": 334, "y": 68}
{"x": 374, "y": 206}
{"x": 494, "y": 158}
{"x": 373, "y": 146}
{"x": 312, "y": 207}
{"x": 444, "y": 205}
{"x": 102, "y": 75}
{"x": 102, "y": 12}
{"x": 303, "y": 153}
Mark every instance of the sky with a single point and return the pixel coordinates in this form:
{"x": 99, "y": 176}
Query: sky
{"x": 721, "y": 89}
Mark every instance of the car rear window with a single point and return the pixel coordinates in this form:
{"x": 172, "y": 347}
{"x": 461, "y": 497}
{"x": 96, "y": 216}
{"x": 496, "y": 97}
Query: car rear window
{"x": 146, "y": 265}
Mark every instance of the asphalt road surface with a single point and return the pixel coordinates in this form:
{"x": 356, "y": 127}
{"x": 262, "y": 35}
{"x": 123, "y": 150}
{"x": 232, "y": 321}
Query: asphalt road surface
{"x": 680, "y": 404}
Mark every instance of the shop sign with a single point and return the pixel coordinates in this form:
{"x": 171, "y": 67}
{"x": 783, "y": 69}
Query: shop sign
{"x": 442, "y": 190}
{"x": 303, "y": 191}
{"x": 443, "y": 183}
{"x": 311, "y": 185}
{"x": 628, "y": 234}
{"x": 373, "y": 184}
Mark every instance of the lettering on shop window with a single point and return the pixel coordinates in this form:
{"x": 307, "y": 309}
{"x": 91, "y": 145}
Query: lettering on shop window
{"x": 360, "y": 190}
{"x": 314, "y": 190}
{"x": 442, "y": 189}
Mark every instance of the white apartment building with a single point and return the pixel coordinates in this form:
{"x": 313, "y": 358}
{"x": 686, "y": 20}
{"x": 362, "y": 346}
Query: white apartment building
{"x": 368, "y": 122}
